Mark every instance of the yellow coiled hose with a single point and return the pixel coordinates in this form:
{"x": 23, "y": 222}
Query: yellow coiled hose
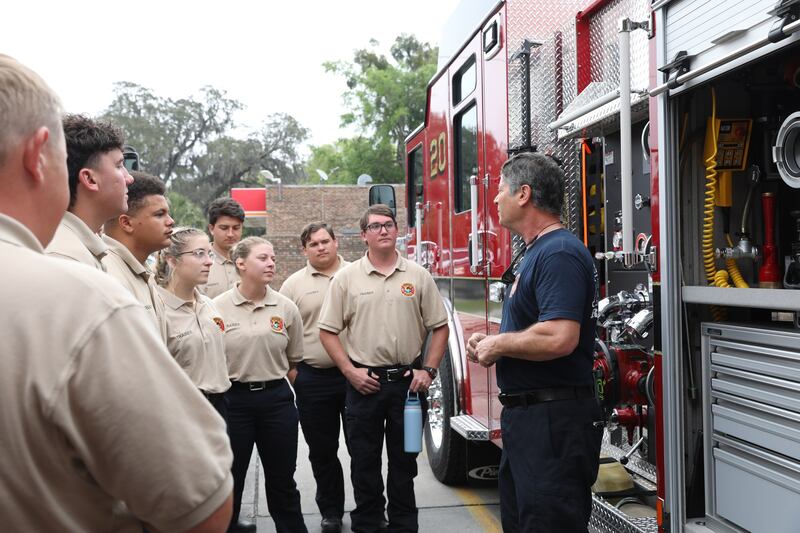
{"x": 710, "y": 155}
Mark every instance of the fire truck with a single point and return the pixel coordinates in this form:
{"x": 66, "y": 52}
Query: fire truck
{"x": 677, "y": 124}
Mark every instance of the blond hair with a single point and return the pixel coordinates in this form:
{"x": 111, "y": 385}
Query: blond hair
{"x": 26, "y": 104}
{"x": 177, "y": 245}
{"x": 245, "y": 246}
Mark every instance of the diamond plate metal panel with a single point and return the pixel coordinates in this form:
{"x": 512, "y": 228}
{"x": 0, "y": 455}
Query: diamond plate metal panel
{"x": 604, "y": 69}
{"x": 608, "y": 519}
{"x": 550, "y": 23}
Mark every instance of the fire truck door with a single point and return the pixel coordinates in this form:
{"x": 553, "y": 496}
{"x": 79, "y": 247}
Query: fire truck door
{"x": 469, "y": 194}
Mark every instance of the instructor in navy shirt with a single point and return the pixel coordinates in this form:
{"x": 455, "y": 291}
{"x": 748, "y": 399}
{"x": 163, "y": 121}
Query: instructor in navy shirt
{"x": 543, "y": 354}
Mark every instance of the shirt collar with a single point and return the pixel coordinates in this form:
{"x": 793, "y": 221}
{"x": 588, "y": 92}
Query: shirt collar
{"x": 313, "y": 271}
{"x": 14, "y": 232}
{"x": 369, "y": 268}
{"x": 270, "y": 298}
{"x": 87, "y": 237}
{"x": 221, "y": 259}
{"x": 122, "y": 251}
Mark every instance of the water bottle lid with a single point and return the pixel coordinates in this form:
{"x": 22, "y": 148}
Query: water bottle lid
{"x": 410, "y": 399}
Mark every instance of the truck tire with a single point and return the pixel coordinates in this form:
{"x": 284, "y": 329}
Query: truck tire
{"x": 447, "y": 450}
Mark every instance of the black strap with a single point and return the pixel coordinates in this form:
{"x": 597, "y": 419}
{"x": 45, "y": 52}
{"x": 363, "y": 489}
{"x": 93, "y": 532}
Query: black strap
{"x": 524, "y": 399}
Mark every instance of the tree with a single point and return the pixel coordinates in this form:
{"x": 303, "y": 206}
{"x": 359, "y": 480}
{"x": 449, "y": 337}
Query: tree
{"x": 229, "y": 162}
{"x": 188, "y": 143}
{"x": 387, "y": 97}
{"x": 184, "y": 211}
{"x": 353, "y": 157}
{"x": 167, "y": 132}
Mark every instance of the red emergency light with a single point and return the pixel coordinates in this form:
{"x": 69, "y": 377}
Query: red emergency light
{"x": 253, "y": 201}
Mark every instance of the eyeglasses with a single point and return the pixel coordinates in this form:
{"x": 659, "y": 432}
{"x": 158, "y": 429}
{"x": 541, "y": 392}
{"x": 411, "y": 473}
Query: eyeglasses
{"x": 376, "y": 228}
{"x": 201, "y": 254}
{"x": 510, "y": 274}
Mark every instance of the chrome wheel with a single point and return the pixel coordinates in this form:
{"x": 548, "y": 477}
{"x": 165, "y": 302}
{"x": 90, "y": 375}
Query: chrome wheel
{"x": 436, "y": 413}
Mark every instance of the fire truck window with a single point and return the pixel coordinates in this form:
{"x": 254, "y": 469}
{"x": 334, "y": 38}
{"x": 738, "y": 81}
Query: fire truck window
{"x": 414, "y": 183}
{"x": 466, "y": 127}
{"x": 464, "y": 81}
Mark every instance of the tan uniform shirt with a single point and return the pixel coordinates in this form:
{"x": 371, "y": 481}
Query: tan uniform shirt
{"x": 74, "y": 240}
{"x": 120, "y": 263}
{"x": 386, "y": 318}
{"x": 223, "y": 276}
{"x": 95, "y": 412}
{"x": 195, "y": 340}
{"x": 261, "y": 338}
{"x": 307, "y": 288}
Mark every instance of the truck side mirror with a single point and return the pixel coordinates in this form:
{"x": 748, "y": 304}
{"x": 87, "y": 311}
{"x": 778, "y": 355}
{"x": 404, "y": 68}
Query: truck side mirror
{"x": 383, "y": 194}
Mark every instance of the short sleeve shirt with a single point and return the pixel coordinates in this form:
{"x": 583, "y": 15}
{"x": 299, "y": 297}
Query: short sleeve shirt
{"x": 74, "y": 240}
{"x": 307, "y": 288}
{"x": 385, "y": 318}
{"x": 221, "y": 277}
{"x": 556, "y": 280}
{"x": 95, "y": 410}
{"x": 262, "y": 338}
{"x": 120, "y": 263}
{"x": 195, "y": 339}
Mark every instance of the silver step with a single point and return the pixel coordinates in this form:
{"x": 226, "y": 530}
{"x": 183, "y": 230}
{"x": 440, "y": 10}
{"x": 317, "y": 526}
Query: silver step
{"x": 608, "y": 519}
{"x": 469, "y": 428}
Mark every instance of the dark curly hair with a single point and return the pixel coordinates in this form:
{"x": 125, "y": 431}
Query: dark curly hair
{"x": 225, "y": 207}
{"x": 87, "y": 140}
{"x": 143, "y": 185}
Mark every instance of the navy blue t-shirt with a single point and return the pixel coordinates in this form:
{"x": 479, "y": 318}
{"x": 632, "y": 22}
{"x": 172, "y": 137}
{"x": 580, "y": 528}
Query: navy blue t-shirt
{"x": 556, "y": 280}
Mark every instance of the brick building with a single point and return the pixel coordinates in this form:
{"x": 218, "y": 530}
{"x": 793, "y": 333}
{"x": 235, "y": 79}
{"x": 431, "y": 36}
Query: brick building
{"x": 290, "y": 207}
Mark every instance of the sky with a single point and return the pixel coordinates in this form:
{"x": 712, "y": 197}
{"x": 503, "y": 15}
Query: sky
{"x": 266, "y": 54}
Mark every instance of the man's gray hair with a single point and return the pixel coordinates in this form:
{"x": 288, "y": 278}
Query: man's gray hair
{"x": 542, "y": 174}
{"x": 26, "y": 104}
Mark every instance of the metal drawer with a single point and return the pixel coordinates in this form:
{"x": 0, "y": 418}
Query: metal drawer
{"x": 758, "y": 491}
{"x": 770, "y": 431}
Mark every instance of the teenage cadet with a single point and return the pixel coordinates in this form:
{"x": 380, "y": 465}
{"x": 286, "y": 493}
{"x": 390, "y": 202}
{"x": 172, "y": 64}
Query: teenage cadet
{"x": 319, "y": 385}
{"x": 194, "y": 326}
{"x": 90, "y": 395}
{"x": 225, "y": 221}
{"x": 544, "y": 353}
{"x": 98, "y": 184}
{"x": 263, "y": 344}
{"x": 132, "y": 236}
{"x": 385, "y": 305}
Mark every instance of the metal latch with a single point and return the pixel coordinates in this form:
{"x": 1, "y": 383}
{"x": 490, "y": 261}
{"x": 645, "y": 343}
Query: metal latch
{"x": 787, "y": 12}
{"x": 679, "y": 65}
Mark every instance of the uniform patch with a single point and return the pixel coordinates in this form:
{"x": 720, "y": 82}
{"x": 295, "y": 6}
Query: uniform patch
{"x": 276, "y": 323}
{"x": 407, "y": 289}
{"x": 218, "y": 321}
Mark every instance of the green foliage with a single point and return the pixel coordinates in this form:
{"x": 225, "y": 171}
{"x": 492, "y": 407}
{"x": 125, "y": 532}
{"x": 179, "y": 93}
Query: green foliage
{"x": 387, "y": 96}
{"x": 188, "y": 141}
{"x": 353, "y": 157}
{"x": 185, "y": 212}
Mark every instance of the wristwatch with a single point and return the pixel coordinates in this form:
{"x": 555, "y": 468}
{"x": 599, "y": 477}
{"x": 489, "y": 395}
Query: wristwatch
{"x": 432, "y": 372}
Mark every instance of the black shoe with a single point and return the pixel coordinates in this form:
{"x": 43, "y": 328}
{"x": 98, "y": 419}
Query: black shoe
{"x": 384, "y": 525}
{"x": 331, "y": 525}
{"x": 242, "y": 527}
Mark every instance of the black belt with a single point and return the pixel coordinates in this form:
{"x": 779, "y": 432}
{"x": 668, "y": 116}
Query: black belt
{"x": 391, "y": 374}
{"x": 332, "y": 371}
{"x": 254, "y": 386}
{"x": 213, "y": 396}
{"x": 524, "y": 399}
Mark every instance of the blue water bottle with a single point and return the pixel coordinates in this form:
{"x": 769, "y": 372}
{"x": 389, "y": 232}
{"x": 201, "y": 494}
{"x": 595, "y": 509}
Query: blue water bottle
{"x": 412, "y": 424}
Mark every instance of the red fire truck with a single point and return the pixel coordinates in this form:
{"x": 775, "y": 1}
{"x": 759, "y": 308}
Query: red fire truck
{"x": 677, "y": 123}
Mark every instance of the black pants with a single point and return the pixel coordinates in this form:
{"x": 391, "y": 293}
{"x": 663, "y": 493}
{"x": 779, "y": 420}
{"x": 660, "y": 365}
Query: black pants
{"x": 550, "y": 460}
{"x": 320, "y": 403}
{"x": 368, "y": 419}
{"x": 268, "y": 419}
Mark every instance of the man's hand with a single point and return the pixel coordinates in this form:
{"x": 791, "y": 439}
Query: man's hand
{"x": 420, "y": 381}
{"x": 472, "y": 343}
{"x": 481, "y": 349}
{"x": 364, "y": 383}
